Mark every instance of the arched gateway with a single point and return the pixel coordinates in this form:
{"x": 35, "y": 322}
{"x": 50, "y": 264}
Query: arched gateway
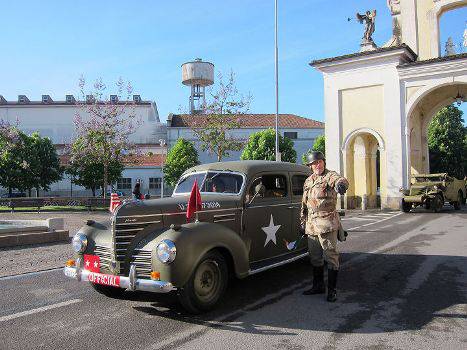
{"x": 378, "y": 103}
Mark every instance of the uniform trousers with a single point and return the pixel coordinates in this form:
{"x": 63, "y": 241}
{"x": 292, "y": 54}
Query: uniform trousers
{"x": 324, "y": 247}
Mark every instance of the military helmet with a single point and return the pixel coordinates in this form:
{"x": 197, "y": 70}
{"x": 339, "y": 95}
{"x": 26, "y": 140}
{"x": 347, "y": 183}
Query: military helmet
{"x": 314, "y": 156}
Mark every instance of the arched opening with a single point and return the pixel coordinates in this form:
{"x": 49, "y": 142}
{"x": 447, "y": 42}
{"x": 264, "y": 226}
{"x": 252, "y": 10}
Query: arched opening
{"x": 362, "y": 152}
{"x": 419, "y": 118}
{"x": 441, "y": 10}
{"x": 451, "y": 30}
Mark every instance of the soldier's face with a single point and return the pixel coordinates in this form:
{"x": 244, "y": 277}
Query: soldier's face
{"x": 317, "y": 167}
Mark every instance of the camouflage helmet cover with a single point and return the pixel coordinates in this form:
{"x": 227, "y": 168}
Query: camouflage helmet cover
{"x": 314, "y": 156}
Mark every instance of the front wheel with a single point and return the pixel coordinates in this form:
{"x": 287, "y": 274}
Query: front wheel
{"x": 406, "y": 206}
{"x": 206, "y": 285}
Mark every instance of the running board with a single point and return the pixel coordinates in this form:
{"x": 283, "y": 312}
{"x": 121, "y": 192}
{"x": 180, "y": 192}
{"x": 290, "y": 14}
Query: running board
{"x": 280, "y": 263}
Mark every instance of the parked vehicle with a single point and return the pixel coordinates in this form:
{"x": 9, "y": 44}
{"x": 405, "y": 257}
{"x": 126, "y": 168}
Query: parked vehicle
{"x": 13, "y": 195}
{"x": 432, "y": 191}
{"x": 250, "y": 212}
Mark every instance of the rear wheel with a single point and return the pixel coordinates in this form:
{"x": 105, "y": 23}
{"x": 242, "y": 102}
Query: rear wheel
{"x": 460, "y": 200}
{"x": 405, "y": 206}
{"x": 206, "y": 285}
{"x": 436, "y": 203}
{"x": 111, "y": 292}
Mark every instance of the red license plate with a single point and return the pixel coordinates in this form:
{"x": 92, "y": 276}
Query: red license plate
{"x": 106, "y": 280}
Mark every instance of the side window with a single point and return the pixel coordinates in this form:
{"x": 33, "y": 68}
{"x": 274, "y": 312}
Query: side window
{"x": 297, "y": 184}
{"x": 276, "y": 186}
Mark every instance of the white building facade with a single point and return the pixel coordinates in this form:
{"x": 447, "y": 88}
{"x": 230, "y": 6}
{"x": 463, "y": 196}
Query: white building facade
{"x": 302, "y": 131}
{"x": 55, "y": 120}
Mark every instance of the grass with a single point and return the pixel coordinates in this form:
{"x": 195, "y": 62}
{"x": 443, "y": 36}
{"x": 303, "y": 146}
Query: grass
{"x": 51, "y": 209}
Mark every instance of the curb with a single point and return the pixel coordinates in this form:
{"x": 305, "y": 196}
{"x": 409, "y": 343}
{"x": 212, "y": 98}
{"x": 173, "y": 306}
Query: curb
{"x": 34, "y": 238}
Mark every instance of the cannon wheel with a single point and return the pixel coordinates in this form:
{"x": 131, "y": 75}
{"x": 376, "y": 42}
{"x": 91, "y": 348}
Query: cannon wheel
{"x": 460, "y": 200}
{"x": 436, "y": 203}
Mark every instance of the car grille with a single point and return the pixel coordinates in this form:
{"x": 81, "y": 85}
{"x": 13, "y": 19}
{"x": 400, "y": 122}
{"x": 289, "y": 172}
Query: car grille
{"x": 142, "y": 261}
{"x": 125, "y": 232}
{"x": 105, "y": 256}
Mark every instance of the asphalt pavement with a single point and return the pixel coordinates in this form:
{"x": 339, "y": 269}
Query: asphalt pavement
{"x": 402, "y": 284}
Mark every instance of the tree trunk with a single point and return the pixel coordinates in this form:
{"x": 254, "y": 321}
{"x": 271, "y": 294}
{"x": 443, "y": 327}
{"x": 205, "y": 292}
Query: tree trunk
{"x": 93, "y": 189}
{"x": 106, "y": 174}
{"x": 37, "y": 191}
{"x": 29, "y": 192}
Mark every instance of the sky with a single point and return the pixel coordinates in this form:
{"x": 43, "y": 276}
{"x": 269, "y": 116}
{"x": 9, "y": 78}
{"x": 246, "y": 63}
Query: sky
{"x": 48, "y": 45}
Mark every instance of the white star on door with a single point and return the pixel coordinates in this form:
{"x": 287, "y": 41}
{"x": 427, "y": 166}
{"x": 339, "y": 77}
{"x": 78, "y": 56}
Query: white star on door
{"x": 271, "y": 231}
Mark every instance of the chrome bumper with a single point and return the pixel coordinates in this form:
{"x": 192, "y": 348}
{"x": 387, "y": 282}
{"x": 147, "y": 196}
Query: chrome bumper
{"x": 130, "y": 283}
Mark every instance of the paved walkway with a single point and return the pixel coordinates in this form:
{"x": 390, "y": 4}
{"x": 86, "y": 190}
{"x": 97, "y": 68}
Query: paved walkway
{"x": 22, "y": 259}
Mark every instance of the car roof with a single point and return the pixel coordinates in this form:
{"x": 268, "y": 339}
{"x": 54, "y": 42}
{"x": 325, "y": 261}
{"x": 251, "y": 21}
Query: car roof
{"x": 250, "y": 167}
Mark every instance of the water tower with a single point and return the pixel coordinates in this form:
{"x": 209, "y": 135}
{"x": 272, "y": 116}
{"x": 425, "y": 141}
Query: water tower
{"x": 198, "y": 75}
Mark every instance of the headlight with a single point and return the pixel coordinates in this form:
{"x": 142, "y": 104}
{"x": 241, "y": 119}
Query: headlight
{"x": 79, "y": 242}
{"x": 166, "y": 251}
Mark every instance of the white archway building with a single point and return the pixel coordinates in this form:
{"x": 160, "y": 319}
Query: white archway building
{"x": 378, "y": 103}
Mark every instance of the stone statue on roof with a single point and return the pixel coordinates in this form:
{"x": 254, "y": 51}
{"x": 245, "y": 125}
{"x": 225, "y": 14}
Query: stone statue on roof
{"x": 369, "y": 18}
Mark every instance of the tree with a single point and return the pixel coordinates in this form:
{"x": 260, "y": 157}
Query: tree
{"x": 318, "y": 146}
{"x": 446, "y": 142}
{"x": 104, "y": 136}
{"x": 261, "y": 146}
{"x": 182, "y": 156}
{"x": 221, "y": 114}
{"x": 44, "y": 163}
{"x": 13, "y": 160}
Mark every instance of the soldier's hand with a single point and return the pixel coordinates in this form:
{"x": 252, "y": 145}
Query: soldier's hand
{"x": 341, "y": 188}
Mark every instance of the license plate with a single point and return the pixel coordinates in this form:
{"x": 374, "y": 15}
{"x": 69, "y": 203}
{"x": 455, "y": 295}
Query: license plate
{"x": 104, "y": 279}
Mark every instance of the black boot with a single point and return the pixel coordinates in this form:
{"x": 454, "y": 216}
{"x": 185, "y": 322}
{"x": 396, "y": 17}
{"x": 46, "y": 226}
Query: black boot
{"x": 332, "y": 282}
{"x": 318, "y": 281}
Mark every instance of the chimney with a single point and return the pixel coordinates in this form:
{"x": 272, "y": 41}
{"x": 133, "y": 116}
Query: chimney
{"x": 113, "y": 98}
{"x": 23, "y": 99}
{"x": 89, "y": 98}
{"x": 137, "y": 98}
{"x": 46, "y": 99}
{"x": 70, "y": 99}
{"x": 2, "y": 100}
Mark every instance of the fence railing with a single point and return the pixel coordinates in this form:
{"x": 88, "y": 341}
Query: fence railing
{"x": 89, "y": 202}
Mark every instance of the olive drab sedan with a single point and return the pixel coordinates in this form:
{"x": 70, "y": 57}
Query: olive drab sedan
{"x": 248, "y": 219}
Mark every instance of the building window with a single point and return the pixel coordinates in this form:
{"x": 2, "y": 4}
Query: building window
{"x": 291, "y": 135}
{"x": 124, "y": 183}
{"x": 155, "y": 183}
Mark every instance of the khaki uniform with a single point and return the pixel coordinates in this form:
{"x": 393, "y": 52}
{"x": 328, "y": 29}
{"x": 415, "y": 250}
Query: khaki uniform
{"x": 318, "y": 214}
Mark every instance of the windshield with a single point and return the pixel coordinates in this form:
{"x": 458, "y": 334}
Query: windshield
{"x": 211, "y": 182}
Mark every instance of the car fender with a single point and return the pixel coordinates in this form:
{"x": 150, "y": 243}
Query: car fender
{"x": 192, "y": 242}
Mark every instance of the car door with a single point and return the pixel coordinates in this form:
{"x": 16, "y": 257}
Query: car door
{"x": 297, "y": 181}
{"x": 268, "y": 222}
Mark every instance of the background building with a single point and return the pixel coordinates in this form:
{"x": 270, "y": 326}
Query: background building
{"x": 302, "y": 131}
{"x": 54, "y": 119}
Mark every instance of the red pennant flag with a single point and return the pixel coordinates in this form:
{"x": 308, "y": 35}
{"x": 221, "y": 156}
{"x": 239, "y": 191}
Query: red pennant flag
{"x": 194, "y": 203}
{"x": 92, "y": 263}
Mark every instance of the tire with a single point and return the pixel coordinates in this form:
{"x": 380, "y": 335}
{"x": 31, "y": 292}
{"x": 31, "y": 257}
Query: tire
{"x": 111, "y": 292}
{"x": 405, "y": 206}
{"x": 460, "y": 200}
{"x": 206, "y": 285}
{"x": 427, "y": 204}
{"x": 437, "y": 203}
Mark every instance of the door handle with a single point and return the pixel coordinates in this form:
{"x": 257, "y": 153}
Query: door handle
{"x": 292, "y": 207}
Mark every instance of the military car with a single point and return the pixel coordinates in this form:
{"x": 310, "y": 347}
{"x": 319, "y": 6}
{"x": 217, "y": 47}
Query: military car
{"x": 432, "y": 190}
{"x": 248, "y": 220}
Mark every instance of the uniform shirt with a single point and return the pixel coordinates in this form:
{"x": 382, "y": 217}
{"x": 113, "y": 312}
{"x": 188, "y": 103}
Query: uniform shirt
{"x": 318, "y": 212}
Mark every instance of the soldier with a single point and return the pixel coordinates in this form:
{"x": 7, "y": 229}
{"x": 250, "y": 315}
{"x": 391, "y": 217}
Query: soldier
{"x": 320, "y": 221}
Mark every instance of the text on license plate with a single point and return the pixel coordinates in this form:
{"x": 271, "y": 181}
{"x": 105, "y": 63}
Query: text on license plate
{"x": 106, "y": 280}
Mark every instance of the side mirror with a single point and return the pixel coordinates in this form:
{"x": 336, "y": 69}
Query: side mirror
{"x": 260, "y": 189}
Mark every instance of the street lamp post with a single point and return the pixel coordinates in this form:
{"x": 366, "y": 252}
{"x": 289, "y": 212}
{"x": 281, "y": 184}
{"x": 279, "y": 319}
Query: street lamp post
{"x": 278, "y": 155}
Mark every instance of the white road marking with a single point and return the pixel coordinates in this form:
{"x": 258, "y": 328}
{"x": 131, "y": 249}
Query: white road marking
{"x": 364, "y": 219}
{"x": 376, "y": 222}
{"x": 28, "y": 274}
{"x": 39, "y": 309}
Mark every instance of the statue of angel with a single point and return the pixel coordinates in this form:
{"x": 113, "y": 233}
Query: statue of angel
{"x": 369, "y": 18}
